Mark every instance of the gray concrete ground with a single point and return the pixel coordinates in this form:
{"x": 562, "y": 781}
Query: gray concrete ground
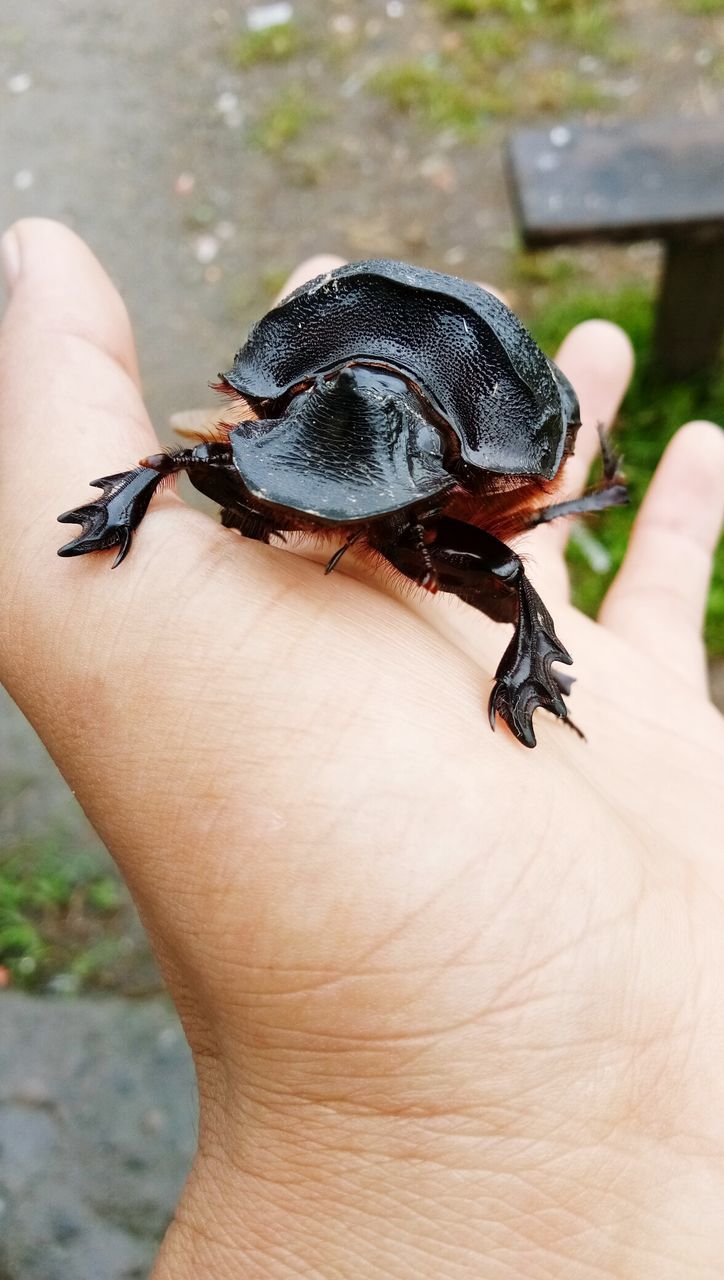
{"x": 97, "y": 1127}
{"x": 122, "y": 101}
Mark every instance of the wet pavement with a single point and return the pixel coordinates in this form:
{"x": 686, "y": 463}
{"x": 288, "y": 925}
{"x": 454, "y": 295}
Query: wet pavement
{"x": 97, "y": 1129}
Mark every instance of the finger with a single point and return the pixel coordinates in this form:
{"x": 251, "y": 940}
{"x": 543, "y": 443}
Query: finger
{"x": 658, "y": 598}
{"x": 70, "y": 412}
{"x": 70, "y": 406}
{"x": 489, "y": 288}
{"x": 597, "y": 358}
{"x": 308, "y": 270}
{"x": 322, "y": 262}
{"x": 34, "y": 250}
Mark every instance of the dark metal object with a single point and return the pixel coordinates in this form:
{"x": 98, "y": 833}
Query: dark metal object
{"x": 645, "y": 180}
{"x": 410, "y": 414}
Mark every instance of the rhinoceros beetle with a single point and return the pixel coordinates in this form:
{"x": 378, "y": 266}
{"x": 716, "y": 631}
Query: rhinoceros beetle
{"x": 408, "y": 412}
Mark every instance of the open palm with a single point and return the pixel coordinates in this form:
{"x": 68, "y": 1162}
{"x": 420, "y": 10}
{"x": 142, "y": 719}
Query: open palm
{"x": 419, "y": 966}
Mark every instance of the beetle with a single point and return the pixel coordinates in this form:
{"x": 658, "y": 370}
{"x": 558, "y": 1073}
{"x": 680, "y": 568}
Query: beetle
{"x": 411, "y": 414}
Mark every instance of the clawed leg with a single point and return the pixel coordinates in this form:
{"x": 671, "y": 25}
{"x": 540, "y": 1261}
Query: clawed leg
{"x": 470, "y": 563}
{"x": 524, "y": 679}
{"x": 111, "y": 519}
{"x": 612, "y": 492}
{"x": 249, "y": 524}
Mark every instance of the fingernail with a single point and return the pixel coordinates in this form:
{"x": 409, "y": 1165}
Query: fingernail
{"x": 10, "y": 257}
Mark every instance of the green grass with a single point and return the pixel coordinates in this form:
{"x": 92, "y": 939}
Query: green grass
{"x": 465, "y": 9}
{"x": 440, "y": 96}
{"x": 702, "y": 6}
{"x": 490, "y": 46}
{"x": 545, "y": 268}
{"x": 546, "y": 90}
{"x": 523, "y": 10}
{"x": 286, "y": 119}
{"x": 651, "y": 414}
{"x": 275, "y": 44}
{"x": 57, "y": 914}
{"x": 481, "y": 74}
{"x": 587, "y": 24}
{"x": 458, "y": 93}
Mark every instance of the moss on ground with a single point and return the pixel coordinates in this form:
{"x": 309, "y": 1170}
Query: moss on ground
{"x": 273, "y": 44}
{"x": 449, "y": 92}
{"x": 441, "y": 95}
{"x": 286, "y": 119}
{"x": 60, "y": 913}
{"x": 476, "y": 74}
{"x": 586, "y": 24}
{"x": 712, "y": 7}
{"x": 550, "y": 268}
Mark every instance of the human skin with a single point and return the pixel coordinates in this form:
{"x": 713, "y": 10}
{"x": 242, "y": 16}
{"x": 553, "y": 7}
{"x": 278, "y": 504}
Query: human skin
{"x": 456, "y": 1007}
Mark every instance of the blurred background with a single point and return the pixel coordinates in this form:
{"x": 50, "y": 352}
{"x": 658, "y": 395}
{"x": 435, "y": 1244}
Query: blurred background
{"x": 203, "y": 150}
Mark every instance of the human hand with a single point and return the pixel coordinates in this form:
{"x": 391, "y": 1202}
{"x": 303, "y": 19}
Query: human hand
{"x": 455, "y": 1007}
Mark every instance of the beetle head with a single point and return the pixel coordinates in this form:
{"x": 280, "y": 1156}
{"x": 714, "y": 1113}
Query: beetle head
{"x": 354, "y": 445}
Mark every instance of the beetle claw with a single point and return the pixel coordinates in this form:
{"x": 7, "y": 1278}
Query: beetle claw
{"x": 94, "y": 536}
{"x": 79, "y": 515}
{"x": 125, "y": 538}
{"x": 515, "y": 703}
{"x": 524, "y": 679}
{"x": 111, "y": 520}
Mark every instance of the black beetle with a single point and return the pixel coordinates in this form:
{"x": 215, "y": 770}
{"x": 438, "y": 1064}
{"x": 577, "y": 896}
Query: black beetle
{"x": 411, "y": 413}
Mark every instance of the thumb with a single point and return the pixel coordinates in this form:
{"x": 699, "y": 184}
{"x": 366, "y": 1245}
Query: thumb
{"x": 70, "y": 411}
{"x": 70, "y": 405}
{"x": 46, "y": 263}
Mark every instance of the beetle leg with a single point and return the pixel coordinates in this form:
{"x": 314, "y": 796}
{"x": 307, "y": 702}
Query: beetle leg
{"x": 596, "y": 500}
{"x": 422, "y": 536}
{"x": 249, "y": 524}
{"x": 111, "y": 519}
{"x": 473, "y": 565}
{"x": 611, "y": 493}
{"x": 524, "y": 679}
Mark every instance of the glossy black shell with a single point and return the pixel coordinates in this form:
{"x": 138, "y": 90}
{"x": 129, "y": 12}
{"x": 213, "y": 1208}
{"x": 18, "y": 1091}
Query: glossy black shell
{"x": 510, "y": 407}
